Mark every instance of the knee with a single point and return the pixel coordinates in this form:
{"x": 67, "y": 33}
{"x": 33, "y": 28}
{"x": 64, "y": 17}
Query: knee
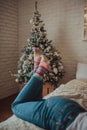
{"x": 14, "y": 107}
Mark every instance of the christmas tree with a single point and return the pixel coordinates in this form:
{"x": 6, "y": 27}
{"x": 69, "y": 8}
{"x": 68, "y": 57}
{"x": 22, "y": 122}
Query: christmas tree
{"x": 39, "y": 39}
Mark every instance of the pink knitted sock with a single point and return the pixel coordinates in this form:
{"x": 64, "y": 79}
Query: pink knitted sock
{"x": 43, "y": 67}
{"x": 37, "y": 58}
{"x": 44, "y": 63}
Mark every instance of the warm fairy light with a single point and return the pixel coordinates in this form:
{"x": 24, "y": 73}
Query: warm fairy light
{"x": 85, "y": 22}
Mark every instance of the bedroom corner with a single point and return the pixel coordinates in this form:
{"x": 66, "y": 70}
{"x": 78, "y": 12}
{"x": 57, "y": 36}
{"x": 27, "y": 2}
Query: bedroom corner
{"x": 64, "y": 22}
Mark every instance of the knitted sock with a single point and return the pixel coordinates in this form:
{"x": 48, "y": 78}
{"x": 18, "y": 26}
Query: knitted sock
{"x": 44, "y": 63}
{"x": 37, "y": 58}
{"x": 42, "y": 68}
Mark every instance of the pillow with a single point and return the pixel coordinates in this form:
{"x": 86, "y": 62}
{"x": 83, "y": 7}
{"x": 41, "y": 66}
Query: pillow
{"x": 81, "y": 71}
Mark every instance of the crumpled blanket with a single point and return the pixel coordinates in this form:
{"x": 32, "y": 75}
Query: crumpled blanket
{"x": 80, "y": 123}
{"x": 14, "y": 123}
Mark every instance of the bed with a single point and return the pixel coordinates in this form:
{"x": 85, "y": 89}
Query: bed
{"x": 75, "y": 89}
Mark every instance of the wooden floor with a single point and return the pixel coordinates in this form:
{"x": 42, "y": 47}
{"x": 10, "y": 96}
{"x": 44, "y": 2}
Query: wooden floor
{"x": 5, "y": 107}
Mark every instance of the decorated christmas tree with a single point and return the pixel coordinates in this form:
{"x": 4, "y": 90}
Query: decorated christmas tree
{"x": 39, "y": 39}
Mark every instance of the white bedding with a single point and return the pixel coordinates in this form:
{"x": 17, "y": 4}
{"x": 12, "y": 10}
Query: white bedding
{"x": 75, "y": 89}
{"x": 80, "y": 123}
{"x": 14, "y": 123}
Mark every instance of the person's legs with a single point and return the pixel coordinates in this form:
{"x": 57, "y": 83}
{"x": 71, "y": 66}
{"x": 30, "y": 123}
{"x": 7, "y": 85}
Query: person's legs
{"x": 32, "y": 91}
{"x": 29, "y": 101}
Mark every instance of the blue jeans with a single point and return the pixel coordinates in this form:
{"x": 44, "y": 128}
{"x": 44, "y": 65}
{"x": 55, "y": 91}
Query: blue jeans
{"x": 52, "y": 114}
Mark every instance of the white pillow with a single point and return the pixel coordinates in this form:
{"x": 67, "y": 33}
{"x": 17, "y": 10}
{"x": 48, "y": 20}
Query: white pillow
{"x": 81, "y": 71}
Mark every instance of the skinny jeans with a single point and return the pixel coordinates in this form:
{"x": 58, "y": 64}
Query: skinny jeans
{"x": 55, "y": 113}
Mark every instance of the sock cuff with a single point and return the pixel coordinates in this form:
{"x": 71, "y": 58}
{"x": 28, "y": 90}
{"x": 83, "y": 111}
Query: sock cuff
{"x": 38, "y": 76}
{"x": 40, "y": 73}
{"x": 36, "y": 49}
